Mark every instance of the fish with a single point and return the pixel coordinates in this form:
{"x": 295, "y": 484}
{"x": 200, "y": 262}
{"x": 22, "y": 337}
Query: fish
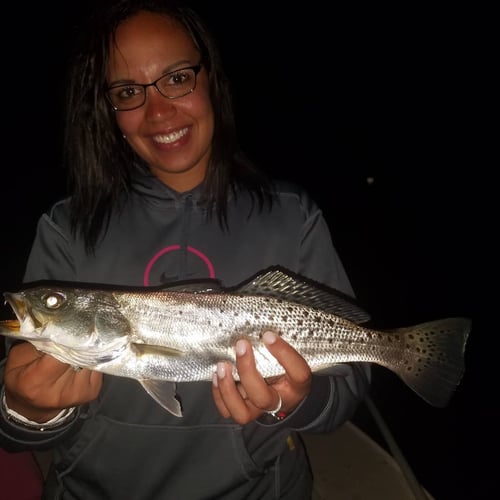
{"x": 161, "y": 336}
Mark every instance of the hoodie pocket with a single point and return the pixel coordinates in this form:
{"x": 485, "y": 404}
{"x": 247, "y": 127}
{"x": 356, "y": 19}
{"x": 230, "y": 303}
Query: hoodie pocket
{"x": 117, "y": 460}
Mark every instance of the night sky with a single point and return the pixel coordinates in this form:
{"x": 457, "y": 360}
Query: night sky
{"x": 375, "y": 114}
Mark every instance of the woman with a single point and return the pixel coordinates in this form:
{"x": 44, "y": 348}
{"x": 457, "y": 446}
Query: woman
{"x": 161, "y": 192}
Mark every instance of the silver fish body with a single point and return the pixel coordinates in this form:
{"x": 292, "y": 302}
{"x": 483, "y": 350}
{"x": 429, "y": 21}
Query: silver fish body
{"x": 178, "y": 333}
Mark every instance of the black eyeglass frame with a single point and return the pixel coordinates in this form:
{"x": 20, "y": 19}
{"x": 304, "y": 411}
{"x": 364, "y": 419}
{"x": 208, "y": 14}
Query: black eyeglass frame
{"x": 196, "y": 69}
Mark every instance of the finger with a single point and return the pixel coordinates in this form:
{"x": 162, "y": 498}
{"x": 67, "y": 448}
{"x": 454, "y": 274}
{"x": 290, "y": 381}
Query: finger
{"x": 219, "y": 402}
{"x": 22, "y": 354}
{"x": 42, "y": 381}
{"x": 257, "y": 390}
{"x": 80, "y": 386}
{"x": 32, "y": 362}
{"x": 25, "y": 358}
{"x": 242, "y": 391}
{"x": 241, "y": 410}
{"x": 297, "y": 370}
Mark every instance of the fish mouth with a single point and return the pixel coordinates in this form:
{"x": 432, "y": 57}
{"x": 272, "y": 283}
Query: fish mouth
{"x": 18, "y": 305}
{"x": 26, "y": 320}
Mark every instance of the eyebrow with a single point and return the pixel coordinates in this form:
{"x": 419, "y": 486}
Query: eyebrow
{"x": 169, "y": 69}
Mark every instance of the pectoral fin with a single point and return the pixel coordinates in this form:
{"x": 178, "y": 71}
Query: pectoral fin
{"x": 165, "y": 394}
{"x": 155, "y": 350}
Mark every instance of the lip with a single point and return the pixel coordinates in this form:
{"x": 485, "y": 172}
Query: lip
{"x": 170, "y": 138}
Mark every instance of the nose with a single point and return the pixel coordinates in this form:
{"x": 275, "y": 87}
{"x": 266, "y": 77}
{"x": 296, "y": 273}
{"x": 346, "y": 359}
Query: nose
{"x": 157, "y": 106}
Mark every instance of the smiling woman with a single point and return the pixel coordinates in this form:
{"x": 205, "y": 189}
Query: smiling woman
{"x": 179, "y": 93}
{"x": 395, "y": 170}
{"x": 154, "y": 161}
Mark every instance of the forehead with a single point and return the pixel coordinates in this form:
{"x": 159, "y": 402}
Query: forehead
{"x": 148, "y": 39}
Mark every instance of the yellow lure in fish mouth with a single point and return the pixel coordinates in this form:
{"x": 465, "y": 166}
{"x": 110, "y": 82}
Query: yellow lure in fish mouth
{"x": 11, "y": 324}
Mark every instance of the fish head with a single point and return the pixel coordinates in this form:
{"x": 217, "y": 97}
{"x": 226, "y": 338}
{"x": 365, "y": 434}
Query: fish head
{"x": 71, "y": 317}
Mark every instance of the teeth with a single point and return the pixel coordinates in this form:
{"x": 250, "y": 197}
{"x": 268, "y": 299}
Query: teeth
{"x": 174, "y": 136}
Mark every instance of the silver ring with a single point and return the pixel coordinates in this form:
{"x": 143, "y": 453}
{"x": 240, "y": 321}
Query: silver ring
{"x": 277, "y": 409}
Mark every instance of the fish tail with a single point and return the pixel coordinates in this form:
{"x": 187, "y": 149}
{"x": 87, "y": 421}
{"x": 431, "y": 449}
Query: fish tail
{"x": 433, "y": 359}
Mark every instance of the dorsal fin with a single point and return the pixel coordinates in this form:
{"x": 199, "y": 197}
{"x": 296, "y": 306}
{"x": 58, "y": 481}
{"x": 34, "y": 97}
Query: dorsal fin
{"x": 283, "y": 284}
{"x": 200, "y": 286}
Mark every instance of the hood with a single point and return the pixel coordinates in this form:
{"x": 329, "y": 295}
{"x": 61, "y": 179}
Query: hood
{"x": 156, "y": 193}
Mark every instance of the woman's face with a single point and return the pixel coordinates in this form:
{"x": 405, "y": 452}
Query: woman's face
{"x": 172, "y": 135}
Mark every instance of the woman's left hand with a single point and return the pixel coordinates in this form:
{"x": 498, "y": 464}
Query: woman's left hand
{"x": 253, "y": 395}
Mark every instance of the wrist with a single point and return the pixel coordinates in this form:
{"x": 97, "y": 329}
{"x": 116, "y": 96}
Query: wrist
{"x": 44, "y": 422}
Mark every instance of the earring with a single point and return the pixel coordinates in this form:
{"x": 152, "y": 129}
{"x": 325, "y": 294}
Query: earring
{"x": 124, "y": 136}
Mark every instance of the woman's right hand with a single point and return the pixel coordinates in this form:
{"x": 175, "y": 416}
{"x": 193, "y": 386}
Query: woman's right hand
{"x": 38, "y": 386}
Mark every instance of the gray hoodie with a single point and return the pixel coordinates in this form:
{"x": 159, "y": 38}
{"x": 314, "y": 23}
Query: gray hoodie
{"x": 124, "y": 445}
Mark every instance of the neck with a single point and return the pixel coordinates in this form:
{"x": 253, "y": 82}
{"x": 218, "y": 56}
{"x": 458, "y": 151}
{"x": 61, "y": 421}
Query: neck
{"x": 181, "y": 181}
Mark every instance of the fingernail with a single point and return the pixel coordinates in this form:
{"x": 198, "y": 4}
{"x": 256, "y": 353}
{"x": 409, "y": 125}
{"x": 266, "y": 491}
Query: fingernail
{"x": 241, "y": 347}
{"x": 221, "y": 370}
{"x": 215, "y": 380}
{"x": 269, "y": 337}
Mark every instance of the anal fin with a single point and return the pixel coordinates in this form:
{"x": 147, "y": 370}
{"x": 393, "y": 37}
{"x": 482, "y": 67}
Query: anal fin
{"x": 165, "y": 394}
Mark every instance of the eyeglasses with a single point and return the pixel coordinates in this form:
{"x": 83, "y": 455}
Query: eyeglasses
{"x": 175, "y": 84}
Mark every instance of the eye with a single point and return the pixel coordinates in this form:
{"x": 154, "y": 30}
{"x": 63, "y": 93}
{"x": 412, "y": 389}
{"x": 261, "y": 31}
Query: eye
{"x": 180, "y": 77}
{"x": 126, "y": 92}
{"x": 53, "y": 300}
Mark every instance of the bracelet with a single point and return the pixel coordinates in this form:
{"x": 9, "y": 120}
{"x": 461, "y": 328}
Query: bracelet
{"x": 21, "y": 420}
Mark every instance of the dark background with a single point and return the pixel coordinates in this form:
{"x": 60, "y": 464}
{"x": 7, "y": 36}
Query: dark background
{"x": 384, "y": 117}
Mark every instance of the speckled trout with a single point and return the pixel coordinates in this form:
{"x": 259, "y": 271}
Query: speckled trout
{"x": 177, "y": 333}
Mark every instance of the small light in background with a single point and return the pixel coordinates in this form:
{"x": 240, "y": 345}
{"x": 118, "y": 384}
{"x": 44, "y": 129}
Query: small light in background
{"x": 370, "y": 180}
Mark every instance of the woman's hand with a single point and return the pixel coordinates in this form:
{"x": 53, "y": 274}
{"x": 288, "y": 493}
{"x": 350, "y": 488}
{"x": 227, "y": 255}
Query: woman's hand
{"x": 253, "y": 395}
{"x": 38, "y": 387}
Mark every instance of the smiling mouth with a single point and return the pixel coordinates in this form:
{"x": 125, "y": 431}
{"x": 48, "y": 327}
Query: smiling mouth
{"x": 172, "y": 137}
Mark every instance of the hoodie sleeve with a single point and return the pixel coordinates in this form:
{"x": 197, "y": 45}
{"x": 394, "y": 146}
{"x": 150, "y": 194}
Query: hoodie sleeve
{"x": 50, "y": 257}
{"x": 15, "y": 437}
{"x": 51, "y": 254}
{"x": 335, "y": 395}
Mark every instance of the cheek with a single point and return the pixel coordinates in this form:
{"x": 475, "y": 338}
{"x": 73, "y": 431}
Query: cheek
{"x": 128, "y": 122}
{"x": 202, "y": 109}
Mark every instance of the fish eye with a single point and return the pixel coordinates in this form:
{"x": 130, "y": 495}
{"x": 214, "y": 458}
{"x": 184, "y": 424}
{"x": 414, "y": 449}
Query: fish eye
{"x": 53, "y": 300}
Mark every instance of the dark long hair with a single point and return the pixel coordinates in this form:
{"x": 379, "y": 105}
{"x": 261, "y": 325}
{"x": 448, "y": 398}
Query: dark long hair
{"x": 101, "y": 163}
